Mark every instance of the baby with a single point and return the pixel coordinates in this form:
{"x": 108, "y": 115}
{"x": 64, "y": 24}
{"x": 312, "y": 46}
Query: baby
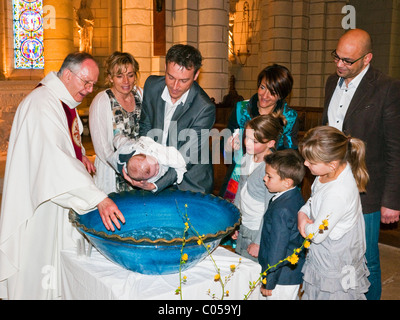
{"x": 143, "y": 167}
{"x": 146, "y": 160}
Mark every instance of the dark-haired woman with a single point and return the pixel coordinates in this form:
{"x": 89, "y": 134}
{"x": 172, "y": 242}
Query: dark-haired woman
{"x": 274, "y": 83}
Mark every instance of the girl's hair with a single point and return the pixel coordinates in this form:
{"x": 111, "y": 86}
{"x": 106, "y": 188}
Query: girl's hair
{"x": 288, "y": 164}
{"x": 267, "y": 127}
{"x": 326, "y": 144}
{"x": 121, "y": 60}
{"x": 279, "y": 80}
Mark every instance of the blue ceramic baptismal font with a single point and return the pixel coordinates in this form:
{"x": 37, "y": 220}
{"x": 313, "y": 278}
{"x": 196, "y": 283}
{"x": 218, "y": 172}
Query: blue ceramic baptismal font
{"x": 150, "y": 241}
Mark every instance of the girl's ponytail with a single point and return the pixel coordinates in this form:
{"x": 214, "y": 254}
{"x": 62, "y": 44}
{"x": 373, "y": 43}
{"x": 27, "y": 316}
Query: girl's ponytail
{"x": 356, "y": 157}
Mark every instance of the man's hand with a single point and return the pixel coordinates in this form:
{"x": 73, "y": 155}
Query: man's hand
{"x": 110, "y": 214}
{"x": 389, "y": 215}
{"x": 140, "y": 184}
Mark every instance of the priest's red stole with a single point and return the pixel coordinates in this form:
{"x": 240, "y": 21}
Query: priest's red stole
{"x": 73, "y": 126}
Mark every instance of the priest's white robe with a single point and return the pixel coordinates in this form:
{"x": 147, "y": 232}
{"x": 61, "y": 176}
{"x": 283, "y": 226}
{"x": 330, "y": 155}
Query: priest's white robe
{"x": 43, "y": 180}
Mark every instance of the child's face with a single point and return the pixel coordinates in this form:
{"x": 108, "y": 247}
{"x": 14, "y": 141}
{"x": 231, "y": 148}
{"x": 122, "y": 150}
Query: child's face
{"x": 274, "y": 182}
{"x": 252, "y": 145}
{"x": 318, "y": 168}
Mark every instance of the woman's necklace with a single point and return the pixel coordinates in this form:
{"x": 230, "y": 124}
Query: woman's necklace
{"x": 126, "y": 101}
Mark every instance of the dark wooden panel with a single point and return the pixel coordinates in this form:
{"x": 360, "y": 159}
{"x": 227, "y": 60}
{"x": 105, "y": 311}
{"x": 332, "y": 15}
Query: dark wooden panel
{"x": 159, "y": 28}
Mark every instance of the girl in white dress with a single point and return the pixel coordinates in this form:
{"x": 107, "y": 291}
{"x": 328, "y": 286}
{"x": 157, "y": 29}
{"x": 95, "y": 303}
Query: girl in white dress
{"x": 335, "y": 266}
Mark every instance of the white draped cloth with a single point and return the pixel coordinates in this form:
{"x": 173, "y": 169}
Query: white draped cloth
{"x": 43, "y": 180}
{"x": 97, "y": 278}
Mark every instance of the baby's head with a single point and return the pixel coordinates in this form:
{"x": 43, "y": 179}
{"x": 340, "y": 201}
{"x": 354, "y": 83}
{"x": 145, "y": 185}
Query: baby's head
{"x": 142, "y": 167}
{"x": 284, "y": 170}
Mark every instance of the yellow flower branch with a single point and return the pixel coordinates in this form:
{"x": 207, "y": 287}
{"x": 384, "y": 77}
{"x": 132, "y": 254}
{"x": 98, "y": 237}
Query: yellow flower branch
{"x": 217, "y": 277}
{"x": 184, "y": 258}
{"x": 200, "y": 241}
{"x": 293, "y": 258}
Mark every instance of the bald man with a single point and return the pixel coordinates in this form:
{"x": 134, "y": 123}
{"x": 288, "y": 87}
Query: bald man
{"x": 364, "y": 103}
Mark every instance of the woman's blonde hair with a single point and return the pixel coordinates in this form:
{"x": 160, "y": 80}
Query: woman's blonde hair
{"x": 326, "y": 144}
{"x": 120, "y": 60}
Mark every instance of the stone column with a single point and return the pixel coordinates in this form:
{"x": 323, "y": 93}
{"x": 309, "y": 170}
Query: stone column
{"x": 276, "y": 34}
{"x": 213, "y": 45}
{"x": 58, "y": 32}
{"x": 137, "y": 34}
{"x": 2, "y": 40}
{"x": 324, "y": 30}
{"x": 114, "y": 26}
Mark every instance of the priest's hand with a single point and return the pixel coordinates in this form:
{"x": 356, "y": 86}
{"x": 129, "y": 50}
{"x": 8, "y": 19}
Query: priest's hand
{"x": 139, "y": 184}
{"x": 88, "y": 165}
{"x": 110, "y": 214}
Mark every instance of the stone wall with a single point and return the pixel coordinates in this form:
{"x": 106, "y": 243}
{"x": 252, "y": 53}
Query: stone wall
{"x": 299, "y": 34}
{"x": 107, "y": 32}
{"x": 11, "y": 94}
{"x": 213, "y": 44}
{"x": 382, "y": 20}
{"x": 201, "y": 23}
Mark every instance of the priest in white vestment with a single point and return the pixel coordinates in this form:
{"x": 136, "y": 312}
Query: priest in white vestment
{"x": 44, "y": 178}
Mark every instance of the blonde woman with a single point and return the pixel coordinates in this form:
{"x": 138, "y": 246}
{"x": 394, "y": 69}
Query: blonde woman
{"x": 115, "y": 111}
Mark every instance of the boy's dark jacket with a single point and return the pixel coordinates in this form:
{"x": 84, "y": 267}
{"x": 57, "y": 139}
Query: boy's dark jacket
{"x": 279, "y": 238}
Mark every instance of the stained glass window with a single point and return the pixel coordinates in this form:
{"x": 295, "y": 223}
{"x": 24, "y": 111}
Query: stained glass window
{"x": 28, "y": 34}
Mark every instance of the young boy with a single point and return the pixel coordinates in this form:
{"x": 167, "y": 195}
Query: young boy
{"x": 284, "y": 171}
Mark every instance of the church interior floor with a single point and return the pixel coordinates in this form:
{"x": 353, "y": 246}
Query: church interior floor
{"x": 389, "y": 241}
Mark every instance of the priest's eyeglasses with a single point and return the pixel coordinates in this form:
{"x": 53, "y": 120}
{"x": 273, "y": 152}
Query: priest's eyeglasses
{"x": 346, "y": 61}
{"x": 87, "y": 84}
